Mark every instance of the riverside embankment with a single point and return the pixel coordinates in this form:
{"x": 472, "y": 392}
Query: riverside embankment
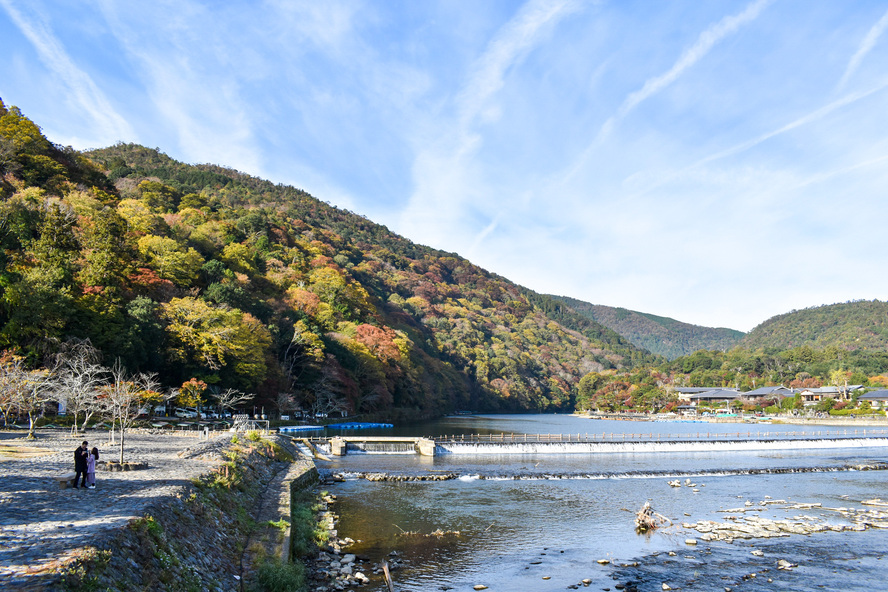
{"x": 196, "y": 518}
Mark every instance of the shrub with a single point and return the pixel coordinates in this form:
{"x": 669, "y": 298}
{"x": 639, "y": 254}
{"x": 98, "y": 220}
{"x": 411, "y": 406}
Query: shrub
{"x": 277, "y": 576}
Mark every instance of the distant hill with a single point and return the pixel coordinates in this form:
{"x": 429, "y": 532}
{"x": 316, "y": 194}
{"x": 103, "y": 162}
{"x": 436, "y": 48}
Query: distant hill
{"x": 200, "y": 271}
{"x": 660, "y": 335}
{"x": 850, "y": 326}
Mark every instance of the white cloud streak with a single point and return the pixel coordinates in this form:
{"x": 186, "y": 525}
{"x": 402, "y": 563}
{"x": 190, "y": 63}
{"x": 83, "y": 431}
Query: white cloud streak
{"x": 704, "y": 44}
{"x": 444, "y": 180}
{"x": 866, "y": 46}
{"x": 202, "y": 105}
{"x": 801, "y": 121}
{"x": 86, "y": 94}
{"x": 510, "y": 45}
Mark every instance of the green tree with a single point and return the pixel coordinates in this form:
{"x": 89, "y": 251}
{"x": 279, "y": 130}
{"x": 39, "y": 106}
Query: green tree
{"x": 210, "y": 340}
{"x": 171, "y": 260}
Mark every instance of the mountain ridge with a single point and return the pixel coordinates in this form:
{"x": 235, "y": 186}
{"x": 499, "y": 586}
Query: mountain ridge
{"x": 200, "y": 271}
{"x": 660, "y": 335}
{"x": 856, "y": 324}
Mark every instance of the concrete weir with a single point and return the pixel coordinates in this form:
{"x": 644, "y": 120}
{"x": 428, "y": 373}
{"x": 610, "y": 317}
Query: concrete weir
{"x": 339, "y": 445}
{"x": 604, "y": 443}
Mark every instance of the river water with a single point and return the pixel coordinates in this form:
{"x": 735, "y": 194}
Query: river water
{"x": 511, "y": 520}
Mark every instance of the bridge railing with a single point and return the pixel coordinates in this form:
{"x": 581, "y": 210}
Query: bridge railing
{"x": 655, "y": 437}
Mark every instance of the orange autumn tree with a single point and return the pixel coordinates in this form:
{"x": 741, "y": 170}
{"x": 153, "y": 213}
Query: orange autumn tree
{"x": 190, "y": 393}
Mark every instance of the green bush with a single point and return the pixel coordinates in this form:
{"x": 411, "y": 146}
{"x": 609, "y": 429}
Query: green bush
{"x": 277, "y": 576}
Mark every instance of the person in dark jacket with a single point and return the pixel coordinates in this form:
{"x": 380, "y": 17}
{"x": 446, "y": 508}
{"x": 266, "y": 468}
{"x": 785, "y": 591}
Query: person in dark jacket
{"x": 81, "y": 455}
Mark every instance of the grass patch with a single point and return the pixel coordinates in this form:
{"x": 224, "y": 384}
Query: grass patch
{"x": 83, "y": 574}
{"x": 306, "y": 533}
{"x": 278, "y": 576}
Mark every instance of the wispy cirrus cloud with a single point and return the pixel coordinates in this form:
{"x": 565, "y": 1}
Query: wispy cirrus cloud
{"x": 446, "y": 181}
{"x": 806, "y": 119}
{"x": 186, "y": 70}
{"x": 866, "y": 46}
{"x": 704, "y": 44}
{"x": 514, "y": 40}
{"x": 83, "y": 89}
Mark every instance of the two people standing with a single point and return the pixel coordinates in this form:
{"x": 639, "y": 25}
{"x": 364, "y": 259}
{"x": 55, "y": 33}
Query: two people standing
{"x": 85, "y": 466}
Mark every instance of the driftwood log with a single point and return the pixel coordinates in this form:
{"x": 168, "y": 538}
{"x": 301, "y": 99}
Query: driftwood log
{"x": 646, "y": 519}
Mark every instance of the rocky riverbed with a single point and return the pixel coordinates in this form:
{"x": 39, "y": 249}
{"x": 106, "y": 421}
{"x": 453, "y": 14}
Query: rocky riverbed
{"x": 745, "y": 523}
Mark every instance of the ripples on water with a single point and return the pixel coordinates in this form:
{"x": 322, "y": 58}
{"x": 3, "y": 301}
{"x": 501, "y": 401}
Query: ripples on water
{"x": 513, "y": 532}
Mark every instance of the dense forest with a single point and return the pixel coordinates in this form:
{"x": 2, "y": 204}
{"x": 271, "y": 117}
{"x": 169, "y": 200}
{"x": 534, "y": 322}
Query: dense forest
{"x": 660, "y": 335}
{"x": 204, "y": 273}
{"x": 850, "y": 326}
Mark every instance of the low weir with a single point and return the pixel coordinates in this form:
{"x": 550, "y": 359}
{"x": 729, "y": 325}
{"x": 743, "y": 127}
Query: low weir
{"x": 499, "y": 444}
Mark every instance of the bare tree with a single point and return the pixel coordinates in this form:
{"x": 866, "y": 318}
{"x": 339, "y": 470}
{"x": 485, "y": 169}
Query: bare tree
{"x": 328, "y": 396}
{"x": 26, "y": 391}
{"x": 80, "y": 378}
{"x": 231, "y": 398}
{"x": 285, "y": 402}
{"x": 7, "y": 400}
{"x": 125, "y": 395}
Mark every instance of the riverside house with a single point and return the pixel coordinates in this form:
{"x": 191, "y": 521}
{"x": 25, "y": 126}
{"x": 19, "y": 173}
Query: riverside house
{"x": 767, "y": 392}
{"x": 811, "y": 396}
{"x": 877, "y": 399}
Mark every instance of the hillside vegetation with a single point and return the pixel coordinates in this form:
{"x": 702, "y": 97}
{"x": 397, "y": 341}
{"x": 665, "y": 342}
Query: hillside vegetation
{"x": 207, "y": 273}
{"x": 659, "y": 335}
{"x": 860, "y": 325}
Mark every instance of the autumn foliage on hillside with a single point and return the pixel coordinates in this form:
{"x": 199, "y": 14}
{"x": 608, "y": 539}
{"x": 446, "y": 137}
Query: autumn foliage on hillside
{"x": 859, "y": 325}
{"x": 660, "y": 335}
{"x": 202, "y": 272}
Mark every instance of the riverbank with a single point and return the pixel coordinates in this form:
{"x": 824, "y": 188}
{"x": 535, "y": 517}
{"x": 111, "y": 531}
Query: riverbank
{"x": 830, "y": 420}
{"x": 188, "y": 520}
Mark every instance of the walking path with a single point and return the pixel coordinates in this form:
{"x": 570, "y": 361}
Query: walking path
{"x": 43, "y": 527}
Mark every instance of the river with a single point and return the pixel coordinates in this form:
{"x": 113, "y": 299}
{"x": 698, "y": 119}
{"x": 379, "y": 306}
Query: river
{"x": 511, "y": 520}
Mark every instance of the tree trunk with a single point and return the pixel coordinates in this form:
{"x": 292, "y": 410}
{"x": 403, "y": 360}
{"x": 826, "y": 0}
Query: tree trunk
{"x": 86, "y": 419}
{"x": 122, "y": 432}
{"x": 32, "y": 426}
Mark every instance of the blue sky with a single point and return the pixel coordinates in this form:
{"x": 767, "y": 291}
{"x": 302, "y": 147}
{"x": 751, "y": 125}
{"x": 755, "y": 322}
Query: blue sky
{"x": 716, "y": 162}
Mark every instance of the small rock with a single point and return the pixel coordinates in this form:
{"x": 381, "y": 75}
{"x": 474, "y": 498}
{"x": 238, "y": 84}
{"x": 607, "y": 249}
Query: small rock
{"x": 547, "y": 577}
{"x": 604, "y": 561}
{"x": 690, "y": 541}
{"x": 758, "y": 553}
{"x": 666, "y": 586}
{"x": 479, "y": 587}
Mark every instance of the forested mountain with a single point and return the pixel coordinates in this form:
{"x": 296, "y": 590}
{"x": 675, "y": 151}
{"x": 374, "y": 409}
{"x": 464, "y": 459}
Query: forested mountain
{"x": 861, "y": 325}
{"x": 204, "y": 272}
{"x": 660, "y": 335}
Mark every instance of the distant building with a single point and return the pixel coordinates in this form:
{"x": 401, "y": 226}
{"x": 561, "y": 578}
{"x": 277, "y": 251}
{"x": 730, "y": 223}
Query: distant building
{"x": 811, "y": 396}
{"x": 715, "y": 395}
{"x": 878, "y": 399}
{"x": 768, "y": 392}
{"x": 686, "y": 392}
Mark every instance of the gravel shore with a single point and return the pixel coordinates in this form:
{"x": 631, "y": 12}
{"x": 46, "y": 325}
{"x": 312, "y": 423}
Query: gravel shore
{"x": 43, "y": 527}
